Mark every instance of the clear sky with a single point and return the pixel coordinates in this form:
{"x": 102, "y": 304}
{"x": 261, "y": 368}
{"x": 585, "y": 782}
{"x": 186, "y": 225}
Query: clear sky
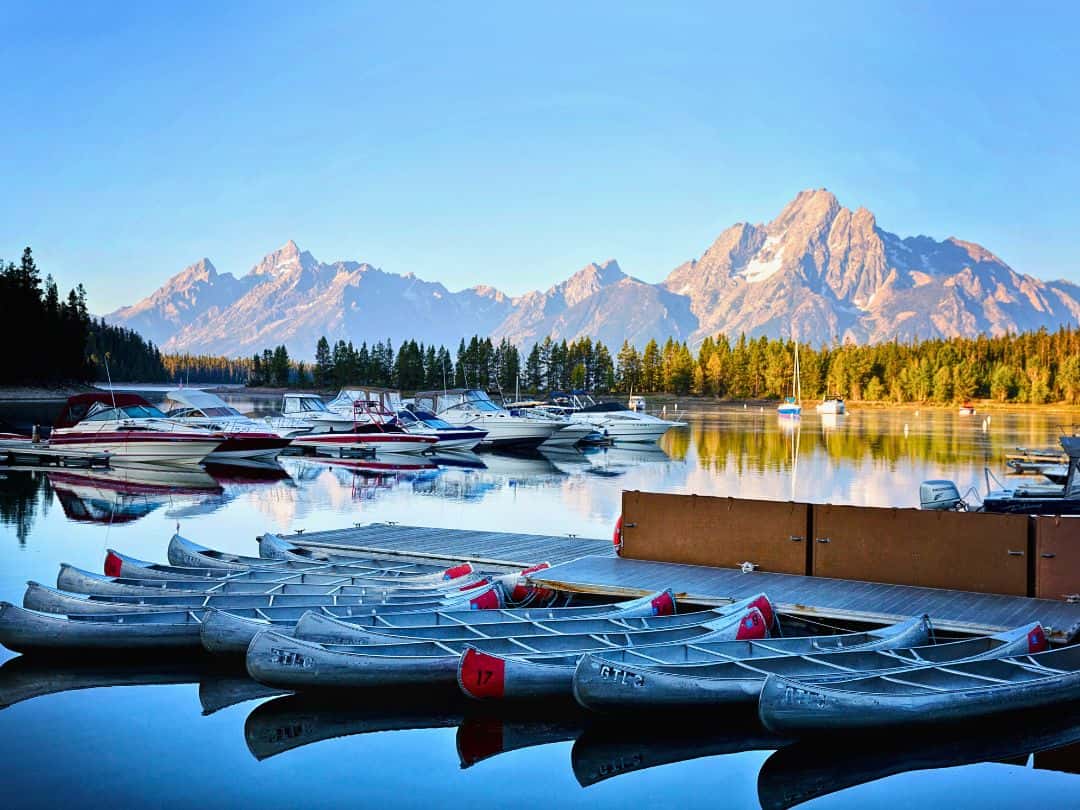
{"x": 510, "y": 143}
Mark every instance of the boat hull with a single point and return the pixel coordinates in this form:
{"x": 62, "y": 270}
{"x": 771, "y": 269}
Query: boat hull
{"x": 137, "y": 447}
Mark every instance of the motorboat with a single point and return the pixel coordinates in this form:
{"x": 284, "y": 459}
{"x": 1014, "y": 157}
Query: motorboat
{"x": 967, "y": 409}
{"x": 613, "y": 420}
{"x": 447, "y": 436}
{"x": 833, "y": 405}
{"x": 569, "y": 432}
{"x": 307, "y": 413}
{"x": 471, "y": 407}
{"x": 385, "y": 406}
{"x": 245, "y": 438}
{"x": 1024, "y": 499}
{"x": 129, "y": 429}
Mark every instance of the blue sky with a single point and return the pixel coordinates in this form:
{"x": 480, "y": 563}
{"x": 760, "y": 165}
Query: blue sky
{"x": 509, "y": 145}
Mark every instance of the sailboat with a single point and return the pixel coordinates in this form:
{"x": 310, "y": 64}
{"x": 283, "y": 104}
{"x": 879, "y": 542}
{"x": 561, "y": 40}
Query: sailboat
{"x": 792, "y": 406}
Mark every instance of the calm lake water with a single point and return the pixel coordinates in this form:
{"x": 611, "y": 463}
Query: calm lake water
{"x": 180, "y": 735}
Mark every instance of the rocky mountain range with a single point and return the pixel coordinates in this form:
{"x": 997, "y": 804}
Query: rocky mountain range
{"x": 818, "y": 272}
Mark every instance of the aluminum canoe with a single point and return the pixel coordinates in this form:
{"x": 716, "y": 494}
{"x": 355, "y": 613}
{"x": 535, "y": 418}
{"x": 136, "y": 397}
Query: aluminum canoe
{"x": 520, "y": 679}
{"x": 328, "y": 630}
{"x": 76, "y": 580}
{"x": 25, "y": 630}
{"x": 604, "y": 685}
{"x": 274, "y": 552}
{"x": 118, "y": 564}
{"x": 291, "y": 663}
{"x": 226, "y": 633}
{"x": 50, "y": 600}
{"x": 926, "y": 695}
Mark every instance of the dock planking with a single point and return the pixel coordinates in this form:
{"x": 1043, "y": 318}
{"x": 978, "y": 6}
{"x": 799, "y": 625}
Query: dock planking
{"x": 495, "y": 549}
{"x": 816, "y": 597}
{"x": 588, "y": 565}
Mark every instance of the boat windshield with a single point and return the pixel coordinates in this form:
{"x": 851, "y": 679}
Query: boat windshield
{"x": 104, "y": 413}
{"x": 305, "y": 405}
{"x": 431, "y": 420}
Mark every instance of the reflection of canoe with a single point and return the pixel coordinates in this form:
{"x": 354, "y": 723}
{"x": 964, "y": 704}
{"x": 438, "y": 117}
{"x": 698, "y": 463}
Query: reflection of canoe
{"x": 927, "y": 695}
{"x": 294, "y": 721}
{"x": 295, "y": 664}
{"x": 483, "y": 736}
{"x": 556, "y": 676}
{"x": 610, "y": 686}
{"x": 230, "y": 634}
{"x": 612, "y": 749}
{"x": 809, "y": 769}
{"x": 27, "y": 677}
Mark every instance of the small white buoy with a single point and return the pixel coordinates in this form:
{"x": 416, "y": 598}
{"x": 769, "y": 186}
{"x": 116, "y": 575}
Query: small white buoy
{"x": 916, "y": 411}
{"x": 744, "y": 406}
{"x": 986, "y": 424}
{"x": 905, "y": 430}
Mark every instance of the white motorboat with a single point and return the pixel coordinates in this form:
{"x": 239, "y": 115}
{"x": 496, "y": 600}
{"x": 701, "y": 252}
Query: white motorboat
{"x": 618, "y": 423}
{"x": 832, "y": 405}
{"x": 470, "y": 407}
{"x": 569, "y": 432}
{"x": 385, "y": 406}
{"x": 307, "y": 413}
{"x": 245, "y": 438}
{"x": 129, "y": 429}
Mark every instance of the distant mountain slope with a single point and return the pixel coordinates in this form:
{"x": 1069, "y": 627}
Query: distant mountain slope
{"x": 818, "y": 271}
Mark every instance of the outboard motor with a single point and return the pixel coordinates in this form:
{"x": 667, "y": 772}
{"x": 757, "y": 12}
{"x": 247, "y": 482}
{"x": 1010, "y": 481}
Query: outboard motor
{"x": 941, "y": 495}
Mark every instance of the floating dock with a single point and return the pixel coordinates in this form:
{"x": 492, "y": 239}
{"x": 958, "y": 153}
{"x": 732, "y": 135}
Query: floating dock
{"x": 590, "y": 566}
{"x": 39, "y": 454}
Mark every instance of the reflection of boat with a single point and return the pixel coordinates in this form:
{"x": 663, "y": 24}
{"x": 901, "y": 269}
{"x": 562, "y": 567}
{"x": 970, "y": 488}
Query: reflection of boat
{"x": 483, "y": 736}
{"x": 130, "y": 429}
{"x": 522, "y": 466}
{"x": 26, "y": 677}
{"x": 807, "y": 770}
{"x": 294, "y": 721}
{"x": 244, "y": 472}
{"x": 126, "y": 493}
{"x": 611, "y": 749}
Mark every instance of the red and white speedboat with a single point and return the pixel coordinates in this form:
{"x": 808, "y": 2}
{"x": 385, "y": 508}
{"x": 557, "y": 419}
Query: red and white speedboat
{"x": 130, "y": 429}
{"x": 244, "y": 437}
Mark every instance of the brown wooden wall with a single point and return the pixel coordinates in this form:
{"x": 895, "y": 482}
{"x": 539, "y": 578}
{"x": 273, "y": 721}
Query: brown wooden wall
{"x": 724, "y": 532}
{"x": 1057, "y": 557}
{"x": 962, "y": 551}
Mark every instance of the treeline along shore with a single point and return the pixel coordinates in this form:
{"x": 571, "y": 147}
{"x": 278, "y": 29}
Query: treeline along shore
{"x": 55, "y": 341}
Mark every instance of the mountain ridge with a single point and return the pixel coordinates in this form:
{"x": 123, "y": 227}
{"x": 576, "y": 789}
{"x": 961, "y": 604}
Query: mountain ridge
{"x": 818, "y": 272}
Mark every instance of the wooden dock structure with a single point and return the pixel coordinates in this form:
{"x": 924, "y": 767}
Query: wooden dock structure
{"x": 39, "y": 454}
{"x": 590, "y": 566}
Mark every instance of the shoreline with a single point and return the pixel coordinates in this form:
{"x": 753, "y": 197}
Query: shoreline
{"x": 60, "y": 392}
